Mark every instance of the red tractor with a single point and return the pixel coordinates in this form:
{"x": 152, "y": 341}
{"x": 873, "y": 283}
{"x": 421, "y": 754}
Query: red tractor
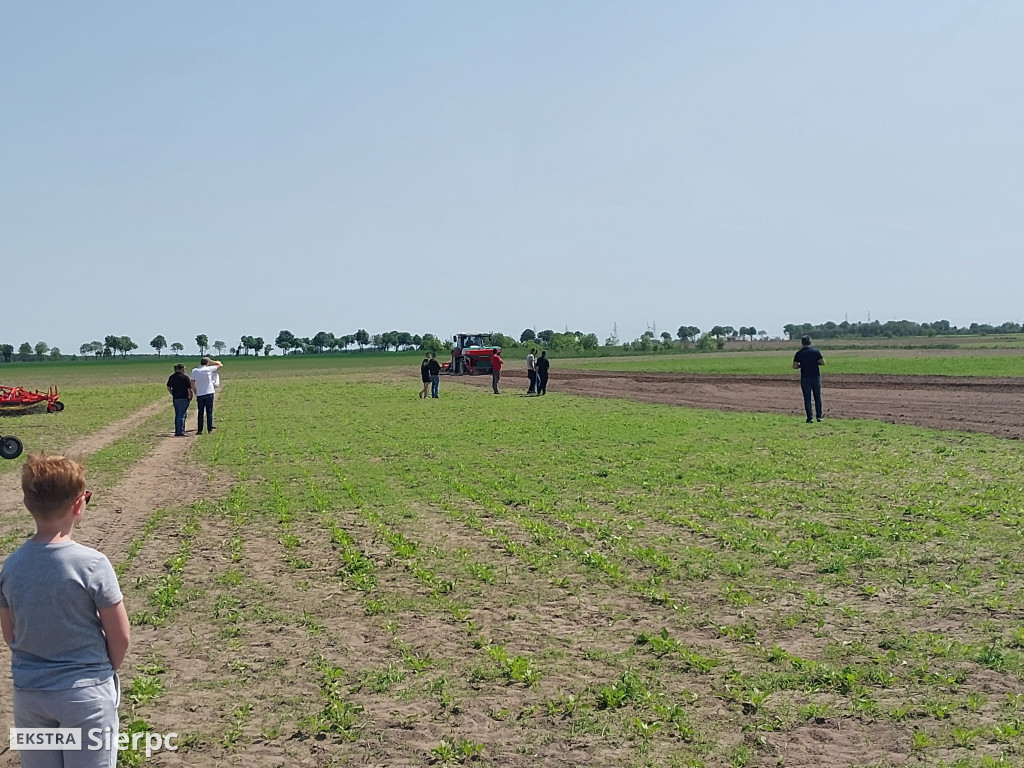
{"x": 471, "y": 354}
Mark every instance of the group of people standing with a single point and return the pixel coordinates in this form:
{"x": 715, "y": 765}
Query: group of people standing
{"x": 201, "y": 386}
{"x": 537, "y": 371}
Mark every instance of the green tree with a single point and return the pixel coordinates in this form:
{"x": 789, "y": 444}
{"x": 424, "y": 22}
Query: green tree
{"x": 41, "y": 349}
{"x": 590, "y": 341}
{"x": 708, "y": 342}
{"x": 545, "y": 336}
{"x": 178, "y": 347}
{"x": 158, "y": 343}
{"x": 430, "y": 343}
{"x": 362, "y": 338}
{"x": 320, "y": 340}
{"x": 527, "y": 335}
{"x": 257, "y": 345}
{"x": 7, "y": 350}
{"x": 25, "y": 351}
{"x": 285, "y": 340}
{"x": 219, "y": 346}
{"x": 203, "y": 342}
{"x": 267, "y": 348}
{"x": 666, "y": 338}
{"x": 55, "y": 353}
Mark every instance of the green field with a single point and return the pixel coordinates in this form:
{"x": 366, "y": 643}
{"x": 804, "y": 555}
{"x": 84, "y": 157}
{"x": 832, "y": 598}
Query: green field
{"x": 564, "y": 580}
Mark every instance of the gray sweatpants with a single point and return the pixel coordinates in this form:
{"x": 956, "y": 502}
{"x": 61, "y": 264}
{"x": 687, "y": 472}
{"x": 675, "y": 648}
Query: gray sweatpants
{"x": 89, "y": 708}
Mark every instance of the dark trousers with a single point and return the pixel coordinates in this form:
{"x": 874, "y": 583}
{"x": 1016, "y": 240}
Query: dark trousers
{"x": 811, "y": 386}
{"x": 204, "y": 403}
{"x": 532, "y": 375}
{"x": 495, "y": 376}
{"x": 542, "y": 382}
{"x": 180, "y": 409}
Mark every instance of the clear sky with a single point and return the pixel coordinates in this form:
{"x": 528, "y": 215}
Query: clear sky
{"x": 244, "y": 167}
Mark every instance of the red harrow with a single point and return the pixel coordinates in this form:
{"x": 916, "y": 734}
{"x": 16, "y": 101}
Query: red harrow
{"x": 15, "y": 400}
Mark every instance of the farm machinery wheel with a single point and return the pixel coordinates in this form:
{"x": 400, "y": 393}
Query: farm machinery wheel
{"x": 55, "y": 407}
{"x": 10, "y": 447}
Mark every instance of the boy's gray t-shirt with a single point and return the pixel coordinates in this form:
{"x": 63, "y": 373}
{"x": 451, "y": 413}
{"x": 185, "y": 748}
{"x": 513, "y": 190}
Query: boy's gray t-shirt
{"x": 54, "y": 592}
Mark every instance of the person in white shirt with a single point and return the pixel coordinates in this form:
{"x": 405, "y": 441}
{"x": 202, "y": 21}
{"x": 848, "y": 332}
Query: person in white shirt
{"x": 204, "y": 379}
{"x": 531, "y": 371}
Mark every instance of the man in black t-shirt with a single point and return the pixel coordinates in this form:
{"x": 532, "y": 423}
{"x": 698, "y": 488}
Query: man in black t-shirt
{"x": 542, "y": 372}
{"x": 179, "y": 385}
{"x": 809, "y": 360}
{"x": 434, "y": 370}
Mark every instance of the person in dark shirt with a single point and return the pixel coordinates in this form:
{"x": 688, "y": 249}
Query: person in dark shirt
{"x": 179, "y": 385}
{"x": 425, "y": 375}
{"x": 434, "y": 371}
{"x": 542, "y": 372}
{"x": 809, "y": 361}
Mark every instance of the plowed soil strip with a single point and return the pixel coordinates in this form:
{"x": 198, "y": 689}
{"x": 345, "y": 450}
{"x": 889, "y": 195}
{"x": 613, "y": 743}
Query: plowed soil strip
{"x": 992, "y": 406}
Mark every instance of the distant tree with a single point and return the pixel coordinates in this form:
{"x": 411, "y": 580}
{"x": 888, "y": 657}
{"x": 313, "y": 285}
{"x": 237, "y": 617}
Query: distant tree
{"x": 417, "y": 340}
{"x": 7, "y": 350}
{"x": 267, "y": 349}
{"x": 527, "y": 335}
{"x": 25, "y": 351}
{"x": 285, "y": 340}
{"x": 377, "y": 340}
{"x": 203, "y": 342}
{"x": 91, "y": 348}
{"x": 158, "y": 343}
{"x": 178, "y": 347}
{"x": 319, "y": 340}
{"x": 219, "y": 346}
{"x": 389, "y": 339}
{"x": 666, "y": 338}
{"x": 362, "y": 338}
{"x": 41, "y": 349}
{"x": 545, "y": 336}
{"x": 590, "y": 341}
{"x": 718, "y": 331}
{"x": 244, "y": 343}
{"x": 257, "y": 345}
{"x": 708, "y": 342}
{"x": 430, "y": 343}
{"x": 111, "y": 344}
{"x": 55, "y": 353}
{"x": 127, "y": 345}
{"x": 405, "y": 339}
{"x": 347, "y": 341}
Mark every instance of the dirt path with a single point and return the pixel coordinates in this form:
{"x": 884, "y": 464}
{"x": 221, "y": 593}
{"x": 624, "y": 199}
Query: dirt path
{"x": 10, "y": 493}
{"x": 993, "y": 406}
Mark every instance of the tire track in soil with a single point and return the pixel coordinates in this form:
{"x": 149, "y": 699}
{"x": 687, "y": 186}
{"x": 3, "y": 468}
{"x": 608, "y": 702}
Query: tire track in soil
{"x": 10, "y": 493}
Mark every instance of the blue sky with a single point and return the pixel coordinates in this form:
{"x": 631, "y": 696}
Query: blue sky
{"x": 245, "y": 167}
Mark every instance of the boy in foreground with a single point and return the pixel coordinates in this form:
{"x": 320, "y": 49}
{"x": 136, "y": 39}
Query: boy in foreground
{"x": 63, "y": 616}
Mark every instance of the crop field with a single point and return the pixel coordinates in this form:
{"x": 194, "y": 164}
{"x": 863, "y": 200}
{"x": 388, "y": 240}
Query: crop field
{"x": 344, "y": 574}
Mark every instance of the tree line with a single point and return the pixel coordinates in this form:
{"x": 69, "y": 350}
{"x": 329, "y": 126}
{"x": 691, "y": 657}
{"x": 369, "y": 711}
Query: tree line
{"x": 569, "y": 341}
{"x": 894, "y": 328}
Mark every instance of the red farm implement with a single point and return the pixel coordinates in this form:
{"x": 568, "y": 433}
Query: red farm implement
{"x": 14, "y": 400}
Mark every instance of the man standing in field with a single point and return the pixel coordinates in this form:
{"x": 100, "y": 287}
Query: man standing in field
{"x": 542, "y": 372}
{"x": 180, "y": 388}
{"x": 531, "y": 371}
{"x": 434, "y": 369}
{"x": 496, "y": 363}
{"x": 202, "y": 382}
{"x": 809, "y": 360}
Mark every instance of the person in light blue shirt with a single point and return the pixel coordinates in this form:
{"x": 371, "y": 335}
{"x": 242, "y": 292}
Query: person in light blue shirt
{"x": 63, "y": 616}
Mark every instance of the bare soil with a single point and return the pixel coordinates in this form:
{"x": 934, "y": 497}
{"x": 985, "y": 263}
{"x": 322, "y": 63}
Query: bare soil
{"x": 991, "y": 405}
